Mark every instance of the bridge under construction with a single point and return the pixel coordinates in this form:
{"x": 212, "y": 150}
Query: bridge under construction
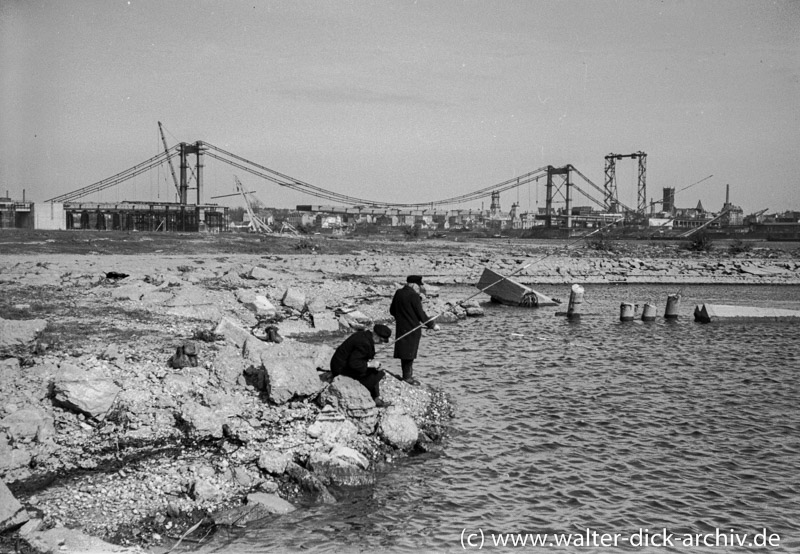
{"x": 562, "y": 185}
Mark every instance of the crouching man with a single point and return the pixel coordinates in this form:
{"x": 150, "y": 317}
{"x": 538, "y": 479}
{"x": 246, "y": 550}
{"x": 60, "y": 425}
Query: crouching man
{"x": 354, "y": 358}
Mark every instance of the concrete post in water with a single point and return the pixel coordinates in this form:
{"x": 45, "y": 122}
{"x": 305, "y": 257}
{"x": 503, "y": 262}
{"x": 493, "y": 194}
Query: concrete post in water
{"x": 575, "y": 301}
{"x": 649, "y": 312}
{"x": 626, "y": 311}
{"x": 672, "y": 306}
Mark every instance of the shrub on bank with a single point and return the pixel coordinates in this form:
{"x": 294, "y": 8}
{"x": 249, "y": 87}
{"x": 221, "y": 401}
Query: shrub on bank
{"x": 700, "y": 242}
{"x": 738, "y": 246}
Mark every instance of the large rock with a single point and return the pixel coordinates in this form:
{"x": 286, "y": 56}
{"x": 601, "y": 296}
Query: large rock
{"x": 398, "y": 429}
{"x": 355, "y": 320}
{"x": 28, "y": 425}
{"x": 319, "y": 354}
{"x": 262, "y": 274}
{"x": 310, "y": 483}
{"x": 332, "y": 427}
{"x": 15, "y": 332}
{"x": 274, "y": 461}
{"x": 12, "y": 514}
{"x": 203, "y": 421}
{"x": 84, "y": 392}
{"x": 341, "y": 466}
{"x": 253, "y": 349}
{"x": 232, "y": 331}
{"x": 289, "y": 370}
{"x": 13, "y": 459}
{"x": 288, "y": 378}
{"x": 229, "y": 365}
{"x": 206, "y": 490}
{"x": 352, "y": 399}
{"x": 273, "y": 503}
{"x": 405, "y": 398}
{"x": 294, "y": 298}
{"x": 256, "y": 303}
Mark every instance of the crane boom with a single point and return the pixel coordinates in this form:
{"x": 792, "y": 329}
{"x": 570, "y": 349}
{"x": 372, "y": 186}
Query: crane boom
{"x": 257, "y": 225}
{"x": 169, "y": 159}
{"x": 690, "y": 232}
{"x": 696, "y": 183}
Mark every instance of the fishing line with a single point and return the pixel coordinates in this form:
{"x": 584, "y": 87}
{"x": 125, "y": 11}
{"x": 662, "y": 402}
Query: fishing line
{"x": 490, "y": 285}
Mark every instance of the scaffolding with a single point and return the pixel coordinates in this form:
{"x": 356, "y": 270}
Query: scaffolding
{"x": 146, "y": 216}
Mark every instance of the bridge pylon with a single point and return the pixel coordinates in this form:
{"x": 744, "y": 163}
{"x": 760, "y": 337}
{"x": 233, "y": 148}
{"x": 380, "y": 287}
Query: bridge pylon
{"x": 187, "y": 149}
{"x": 558, "y": 185}
{"x": 611, "y": 197}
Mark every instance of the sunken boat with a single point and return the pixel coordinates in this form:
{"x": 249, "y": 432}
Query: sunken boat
{"x": 504, "y": 290}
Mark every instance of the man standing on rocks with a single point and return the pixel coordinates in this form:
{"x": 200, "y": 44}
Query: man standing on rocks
{"x": 354, "y": 358}
{"x": 409, "y": 318}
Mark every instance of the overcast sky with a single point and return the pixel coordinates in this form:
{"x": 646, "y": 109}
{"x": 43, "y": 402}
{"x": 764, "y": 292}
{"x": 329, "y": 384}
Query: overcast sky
{"x": 403, "y": 101}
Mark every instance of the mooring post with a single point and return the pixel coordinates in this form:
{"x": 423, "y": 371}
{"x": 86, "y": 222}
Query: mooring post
{"x": 575, "y": 301}
{"x": 649, "y": 312}
{"x": 626, "y": 311}
{"x": 672, "y": 306}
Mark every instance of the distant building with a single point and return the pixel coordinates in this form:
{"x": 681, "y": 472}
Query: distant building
{"x": 14, "y": 214}
{"x": 581, "y": 210}
{"x": 733, "y": 215}
{"x": 787, "y": 217}
{"x": 668, "y": 200}
{"x": 299, "y": 219}
{"x": 326, "y": 221}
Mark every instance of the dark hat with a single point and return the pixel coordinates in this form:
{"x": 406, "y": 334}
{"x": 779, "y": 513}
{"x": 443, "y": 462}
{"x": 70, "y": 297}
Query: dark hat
{"x": 383, "y": 332}
{"x": 415, "y": 279}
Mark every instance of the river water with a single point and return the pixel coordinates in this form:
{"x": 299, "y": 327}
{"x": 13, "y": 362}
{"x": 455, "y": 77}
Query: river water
{"x": 653, "y": 432}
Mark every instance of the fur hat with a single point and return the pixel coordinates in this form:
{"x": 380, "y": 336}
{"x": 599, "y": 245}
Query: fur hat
{"x": 383, "y": 332}
{"x": 415, "y": 279}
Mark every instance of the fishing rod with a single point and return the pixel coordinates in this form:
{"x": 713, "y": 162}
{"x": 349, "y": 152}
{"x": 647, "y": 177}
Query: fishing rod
{"x": 502, "y": 278}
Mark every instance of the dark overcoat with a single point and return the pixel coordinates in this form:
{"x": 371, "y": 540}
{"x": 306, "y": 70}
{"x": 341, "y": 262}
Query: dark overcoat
{"x": 351, "y": 357}
{"x": 407, "y": 310}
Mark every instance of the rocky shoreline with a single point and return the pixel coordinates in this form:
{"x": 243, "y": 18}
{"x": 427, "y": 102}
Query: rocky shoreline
{"x": 105, "y": 444}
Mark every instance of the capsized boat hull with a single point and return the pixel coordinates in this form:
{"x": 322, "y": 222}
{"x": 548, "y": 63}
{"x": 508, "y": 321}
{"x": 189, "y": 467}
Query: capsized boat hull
{"x": 509, "y": 292}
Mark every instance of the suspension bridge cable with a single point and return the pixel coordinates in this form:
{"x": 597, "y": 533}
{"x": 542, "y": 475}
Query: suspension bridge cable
{"x": 302, "y": 186}
{"x": 114, "y": 179}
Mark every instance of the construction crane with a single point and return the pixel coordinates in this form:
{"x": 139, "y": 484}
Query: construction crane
{"x": 601, "y": 191}
{"x": 610, "y": 191}
{"x": 169, "y": 159}
{"x": 257, "y": 225}
{"x": 754, "y": 217}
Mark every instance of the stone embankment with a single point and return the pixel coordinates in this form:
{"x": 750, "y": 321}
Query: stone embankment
{"x": 564, "y": 267}
{"x": 105, "y": 435}
{"x": 135, "y": 404}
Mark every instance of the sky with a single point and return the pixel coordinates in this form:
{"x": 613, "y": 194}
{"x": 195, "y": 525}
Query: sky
{"x": 405, "y": 101}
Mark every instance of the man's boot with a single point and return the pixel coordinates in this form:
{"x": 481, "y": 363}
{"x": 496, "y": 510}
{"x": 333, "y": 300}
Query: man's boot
{"x": 408, "y": 374}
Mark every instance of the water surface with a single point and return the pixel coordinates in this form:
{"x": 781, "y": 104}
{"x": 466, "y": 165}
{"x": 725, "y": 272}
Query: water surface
{"x": 628, "y": 428}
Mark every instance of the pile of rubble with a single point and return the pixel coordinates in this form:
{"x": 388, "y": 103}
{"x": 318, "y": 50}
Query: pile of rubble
{"x": 208, "y": 420}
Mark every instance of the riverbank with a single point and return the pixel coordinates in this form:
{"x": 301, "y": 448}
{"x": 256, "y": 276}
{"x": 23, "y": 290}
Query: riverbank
{"x": 251, "y": 429}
